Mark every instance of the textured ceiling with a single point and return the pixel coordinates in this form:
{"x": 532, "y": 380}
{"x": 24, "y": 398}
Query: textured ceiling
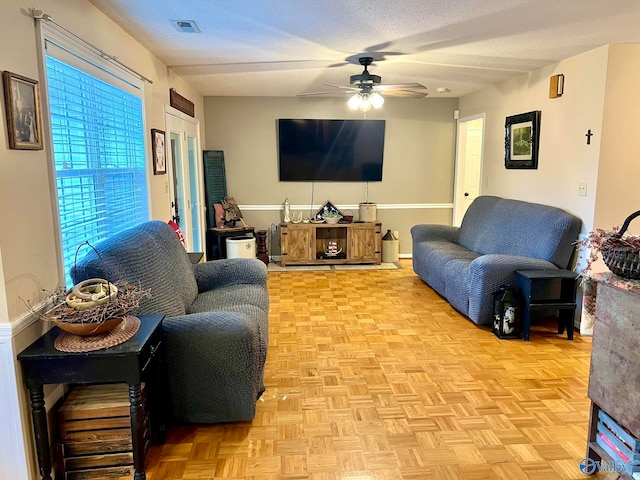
{"x": 289, "y": 47}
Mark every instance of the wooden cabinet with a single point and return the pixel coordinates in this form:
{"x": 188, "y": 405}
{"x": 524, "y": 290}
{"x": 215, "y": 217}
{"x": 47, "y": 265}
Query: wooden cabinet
{"x": 364, "y": 243}
{"x": 297, "y": 243}
{"x": 306, "y": 243}
{"x": 614, "y": 378}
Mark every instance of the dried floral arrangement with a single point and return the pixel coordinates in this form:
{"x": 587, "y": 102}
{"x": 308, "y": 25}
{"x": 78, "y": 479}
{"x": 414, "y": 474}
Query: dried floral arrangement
{"x": 591, "y": 246}
{"x": 598, "y": 241}
{"x": 93, "y": 301}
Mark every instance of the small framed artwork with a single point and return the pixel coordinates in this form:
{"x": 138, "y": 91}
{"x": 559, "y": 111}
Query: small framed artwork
{"x": 159, "y": 152}
{"x": 521, "y": 141}
{"x": 22, "y": 103}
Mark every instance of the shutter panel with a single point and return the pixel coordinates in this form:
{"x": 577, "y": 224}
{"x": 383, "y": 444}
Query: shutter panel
{"x": 215, "y": 182}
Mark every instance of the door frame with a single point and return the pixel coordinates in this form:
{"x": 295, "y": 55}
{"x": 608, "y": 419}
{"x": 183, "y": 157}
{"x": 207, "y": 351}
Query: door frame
{"x": 460, "y": 165}
{"x": 184, "y": 166}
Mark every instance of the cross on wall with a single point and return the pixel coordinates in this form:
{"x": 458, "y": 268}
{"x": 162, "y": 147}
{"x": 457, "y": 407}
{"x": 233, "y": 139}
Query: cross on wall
{"x": 589, "y": 135}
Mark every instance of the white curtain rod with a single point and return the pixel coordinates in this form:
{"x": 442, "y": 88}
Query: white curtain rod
{"x": 39, "y": 15}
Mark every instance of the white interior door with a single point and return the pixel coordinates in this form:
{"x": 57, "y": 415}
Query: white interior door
{"x": 468, "y": 164}
{"x": 186, "y": 178}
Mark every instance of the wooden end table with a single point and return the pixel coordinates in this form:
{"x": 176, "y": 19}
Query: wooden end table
{"x": 533, "y": 282}
{"x": 132, "y": 362}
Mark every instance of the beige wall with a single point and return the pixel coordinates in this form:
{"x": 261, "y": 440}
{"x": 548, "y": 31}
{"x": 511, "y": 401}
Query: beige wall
{"x": 564, "y": 158}
{"x": 28, "y": 252}
{"x": 598, "y": 96}
{"x": 618, "y": 192}
{"x": 28, "y": 238}
{"x": 417, "y": 169}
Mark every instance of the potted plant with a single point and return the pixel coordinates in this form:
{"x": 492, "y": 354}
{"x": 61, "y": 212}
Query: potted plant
{"x": 331, "y": 216}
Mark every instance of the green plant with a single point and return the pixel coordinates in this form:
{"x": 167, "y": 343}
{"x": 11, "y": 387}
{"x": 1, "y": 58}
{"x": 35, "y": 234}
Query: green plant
{"x": 331, "y": 214}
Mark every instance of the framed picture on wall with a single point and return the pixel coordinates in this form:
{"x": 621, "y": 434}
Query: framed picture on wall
{"x": 159, "y": 152}
{"x": 521, "y": 141}
{"x": 22, "y": 103}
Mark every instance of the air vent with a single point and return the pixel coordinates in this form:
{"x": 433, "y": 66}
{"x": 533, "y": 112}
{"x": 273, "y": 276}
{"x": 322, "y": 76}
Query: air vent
{"x": 187, "y": 26}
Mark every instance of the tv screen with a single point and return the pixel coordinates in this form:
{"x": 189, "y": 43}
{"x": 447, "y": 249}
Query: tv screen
{"x": 330, "y": 150}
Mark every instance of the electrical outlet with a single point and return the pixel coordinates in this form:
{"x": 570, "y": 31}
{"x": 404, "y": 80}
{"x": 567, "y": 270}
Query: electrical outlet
{"x": 395, "y": 234}
{"x": 274, "y": 228}
{"x": 582, "y": 189}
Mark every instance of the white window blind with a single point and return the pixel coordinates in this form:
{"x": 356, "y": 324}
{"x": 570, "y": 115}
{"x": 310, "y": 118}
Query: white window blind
{"x": 99, "y": 155}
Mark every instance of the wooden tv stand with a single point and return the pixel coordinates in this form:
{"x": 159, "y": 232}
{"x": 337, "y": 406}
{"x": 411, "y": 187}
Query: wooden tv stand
{"x": 306, "y": 243}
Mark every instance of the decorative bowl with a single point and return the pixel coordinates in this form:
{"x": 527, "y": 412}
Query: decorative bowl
{"x": 89, "y": 328}
{"x": 332, "y": 219}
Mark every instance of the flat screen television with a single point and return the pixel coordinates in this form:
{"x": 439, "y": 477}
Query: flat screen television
{"x": 330, "y": 150}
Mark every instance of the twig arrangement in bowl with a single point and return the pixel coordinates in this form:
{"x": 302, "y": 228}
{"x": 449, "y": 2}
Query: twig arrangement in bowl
{"x": 93, "y": 306}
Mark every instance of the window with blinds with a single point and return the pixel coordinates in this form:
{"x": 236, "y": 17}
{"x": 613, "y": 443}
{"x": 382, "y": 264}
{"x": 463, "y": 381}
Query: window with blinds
{"x": 99, "y": 156}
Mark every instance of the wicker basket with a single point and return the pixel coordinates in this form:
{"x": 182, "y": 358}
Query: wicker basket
{"x": 620, "y": 256}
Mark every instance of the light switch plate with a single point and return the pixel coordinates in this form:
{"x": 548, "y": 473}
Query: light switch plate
{"x": 582, "y": 189}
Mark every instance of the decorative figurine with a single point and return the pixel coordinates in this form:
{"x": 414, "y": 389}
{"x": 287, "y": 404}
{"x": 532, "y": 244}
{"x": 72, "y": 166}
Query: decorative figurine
{"x": 287, "y": 211}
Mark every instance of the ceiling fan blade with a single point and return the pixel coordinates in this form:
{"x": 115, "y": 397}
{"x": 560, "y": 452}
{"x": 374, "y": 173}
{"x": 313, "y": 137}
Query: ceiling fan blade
{"x": 404, "y": 93}
{"x": 401, "y": 86}
{"x": 317, "y": 94}
{"x": 313, "y": 94}
{"x": 342, "y": 90}
{"x": 353, "y": 89}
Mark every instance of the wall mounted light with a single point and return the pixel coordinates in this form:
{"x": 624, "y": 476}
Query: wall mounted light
{"x": 556, "y": 85}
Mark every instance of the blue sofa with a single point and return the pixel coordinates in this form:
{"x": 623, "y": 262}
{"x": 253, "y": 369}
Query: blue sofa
{"x": 497, "y": 236}
{"x": 215, "y": 333}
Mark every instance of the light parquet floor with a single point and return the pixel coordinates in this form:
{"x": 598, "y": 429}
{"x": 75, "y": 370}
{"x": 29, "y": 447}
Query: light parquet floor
{"x": 372, "y": 376}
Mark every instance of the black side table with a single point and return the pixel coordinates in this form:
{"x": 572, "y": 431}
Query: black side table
{"x": 550, "y": 289}
{"x": 132, "y": 362}
{"x": 217, "y": 240}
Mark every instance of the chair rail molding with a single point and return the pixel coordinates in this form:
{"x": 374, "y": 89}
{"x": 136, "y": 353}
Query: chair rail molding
{"x": 355, "y": 206}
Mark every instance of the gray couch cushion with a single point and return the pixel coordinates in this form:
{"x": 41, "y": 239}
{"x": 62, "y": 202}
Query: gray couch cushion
{"x": 513, "y": 227}
{"x": 148, "y": 254}
{"x": 438, "y": 254}
{"x": 232, "y": 298}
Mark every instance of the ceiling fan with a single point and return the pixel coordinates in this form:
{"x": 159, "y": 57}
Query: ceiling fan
{"x": 367, "y": 89}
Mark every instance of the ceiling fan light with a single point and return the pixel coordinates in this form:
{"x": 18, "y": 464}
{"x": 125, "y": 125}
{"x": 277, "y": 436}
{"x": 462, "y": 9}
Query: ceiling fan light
{"x": 376, "y": 100}
{"x": 365, "y": 104}
{"x": 354, "y": 101}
